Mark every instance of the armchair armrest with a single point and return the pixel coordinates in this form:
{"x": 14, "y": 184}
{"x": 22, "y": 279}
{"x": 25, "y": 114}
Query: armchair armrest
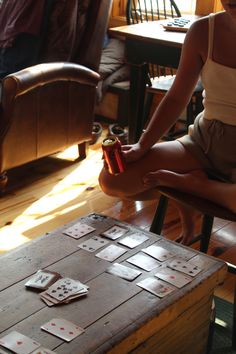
{"x": 24, "y": 80}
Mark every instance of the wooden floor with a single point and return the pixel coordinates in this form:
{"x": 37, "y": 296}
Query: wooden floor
{"x": 53, "y": 191}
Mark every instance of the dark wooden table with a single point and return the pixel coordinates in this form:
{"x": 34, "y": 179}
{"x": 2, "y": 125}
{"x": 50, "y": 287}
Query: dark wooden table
{"x": 117, "y": 315}
{"x": 146, "y": 42}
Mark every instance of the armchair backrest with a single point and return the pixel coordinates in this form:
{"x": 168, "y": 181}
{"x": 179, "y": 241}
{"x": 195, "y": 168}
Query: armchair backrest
{"x": 76, "y": 30}
{"x": 67, "y": 30}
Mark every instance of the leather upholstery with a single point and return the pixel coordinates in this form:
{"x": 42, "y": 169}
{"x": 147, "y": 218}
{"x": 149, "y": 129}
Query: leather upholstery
{"x": 50, "y": 106}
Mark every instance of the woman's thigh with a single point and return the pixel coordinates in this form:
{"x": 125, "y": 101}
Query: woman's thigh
{"x": 170, "y": 155}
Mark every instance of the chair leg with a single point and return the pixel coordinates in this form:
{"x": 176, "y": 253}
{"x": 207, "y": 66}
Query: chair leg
{"x": 207, "y": 224}
{"x": 3, "y": 181}
{"x": 158, "y": 220}
{"x": 83, "y": 149}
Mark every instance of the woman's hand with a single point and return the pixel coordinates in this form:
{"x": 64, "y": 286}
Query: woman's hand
{"x": 133, "y": 152}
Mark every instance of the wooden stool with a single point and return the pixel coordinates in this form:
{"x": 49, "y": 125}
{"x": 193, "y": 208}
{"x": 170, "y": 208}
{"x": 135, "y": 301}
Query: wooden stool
{"x": 209, "y": 211}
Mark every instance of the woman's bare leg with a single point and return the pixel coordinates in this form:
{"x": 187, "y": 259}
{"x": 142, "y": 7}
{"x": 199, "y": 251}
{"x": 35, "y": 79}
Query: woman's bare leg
{"x": 131, "y": 183}
{"x": 188, "y": 217}
{"x": 220, "y": 193}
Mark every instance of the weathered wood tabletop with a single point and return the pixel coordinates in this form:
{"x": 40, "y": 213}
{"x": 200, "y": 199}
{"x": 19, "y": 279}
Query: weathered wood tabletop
{"x": 118, "y": 316}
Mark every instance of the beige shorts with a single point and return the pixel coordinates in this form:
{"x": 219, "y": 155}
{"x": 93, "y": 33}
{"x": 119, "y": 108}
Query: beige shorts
{"x": 213, "y": 143}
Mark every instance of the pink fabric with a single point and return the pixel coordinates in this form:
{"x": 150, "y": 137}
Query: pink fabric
{"x": 19, "y": 16}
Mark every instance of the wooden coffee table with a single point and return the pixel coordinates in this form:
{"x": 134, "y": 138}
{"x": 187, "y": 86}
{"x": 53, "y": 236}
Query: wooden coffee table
{"x": 118, "y": 316}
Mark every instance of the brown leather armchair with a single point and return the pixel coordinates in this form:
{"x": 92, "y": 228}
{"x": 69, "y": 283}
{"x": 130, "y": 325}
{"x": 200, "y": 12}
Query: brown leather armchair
{"x": 48, "y": 107}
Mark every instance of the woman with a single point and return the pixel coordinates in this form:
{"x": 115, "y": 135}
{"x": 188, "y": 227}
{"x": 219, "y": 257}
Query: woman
{"x": 209, "y": 148}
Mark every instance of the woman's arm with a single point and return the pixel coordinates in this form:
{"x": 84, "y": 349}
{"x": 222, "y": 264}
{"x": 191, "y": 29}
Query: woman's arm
{"x": 193, "y": 56}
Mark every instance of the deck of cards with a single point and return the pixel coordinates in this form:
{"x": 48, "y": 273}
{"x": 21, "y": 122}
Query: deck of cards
{"x": 63, "y": 291}
{"x": 42, "y": 279}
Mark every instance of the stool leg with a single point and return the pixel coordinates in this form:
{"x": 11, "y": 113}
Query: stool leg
{"x": 207, "y": 224}
{"x": 159, "y": 216}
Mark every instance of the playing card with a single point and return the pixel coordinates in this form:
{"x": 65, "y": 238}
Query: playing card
{"x": 159, "y": 253}
{"x": 79, "y": 230}
{"x": 143, "y": 261}
{"x": 173, "y": 277}
{"x": 124, "y": 272}
{"x": 42, "y": 350}
{"x": 49, "y": 301}
{"x": 93, "y": 244}
{"x": 114, "y": 232}
{"x": 42, "y": 279}
{"x": 156, "y": 287}
{"x": 133, "y": 240}
{"x": 202, "y": 261}
{"x": 111, "y": 252}
{"x": 62, "y": 328}
{"x": 19, "y": 343}
{"x": 64, "y": 288}
{"x": 184, "y": 267}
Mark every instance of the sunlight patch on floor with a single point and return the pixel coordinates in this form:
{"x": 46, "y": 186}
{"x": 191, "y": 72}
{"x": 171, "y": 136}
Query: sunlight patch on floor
{"x": 64, "y": 197}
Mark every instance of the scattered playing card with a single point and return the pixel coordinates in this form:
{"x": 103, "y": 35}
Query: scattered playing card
{"x": 185, "y": 267}
{"x": 133, "y": 240}
{"x": 93, "y": 244}
{"x": 79, "y": 230}
{"x": 63, "y": 329}
{"x": 173, "y": 277}
{"x": 159, "y": 253}
{"x": 114, "y": 232}
{"x": 19, "y": 343}
{"x": 124, "y": 272}
{"x": 156, "y": 287}
{"x": 42, "y": 350}
{"x": 42, "y": 279}
{"x": 202, "y": 261}
{"x": 143, "y": 261}
{"x": 111, "y": 252}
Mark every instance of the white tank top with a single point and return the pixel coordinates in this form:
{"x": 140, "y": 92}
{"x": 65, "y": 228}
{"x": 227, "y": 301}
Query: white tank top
{"x": 219, "y": 82}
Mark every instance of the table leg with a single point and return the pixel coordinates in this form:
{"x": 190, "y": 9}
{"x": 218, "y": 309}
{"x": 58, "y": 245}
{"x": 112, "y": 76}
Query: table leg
{"x": 138, "y": 79}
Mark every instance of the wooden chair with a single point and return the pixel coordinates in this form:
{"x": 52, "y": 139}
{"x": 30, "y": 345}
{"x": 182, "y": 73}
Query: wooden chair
{"x": 209, "y": 211}
{"x": 161, "y": 78}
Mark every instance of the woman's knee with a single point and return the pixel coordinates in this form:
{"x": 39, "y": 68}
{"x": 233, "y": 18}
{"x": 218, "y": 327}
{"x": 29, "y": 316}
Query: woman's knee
{"x": 109, "y": 184}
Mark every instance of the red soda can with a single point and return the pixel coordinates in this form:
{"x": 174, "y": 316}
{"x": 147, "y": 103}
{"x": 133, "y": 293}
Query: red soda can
{"x": 112, "y": 154}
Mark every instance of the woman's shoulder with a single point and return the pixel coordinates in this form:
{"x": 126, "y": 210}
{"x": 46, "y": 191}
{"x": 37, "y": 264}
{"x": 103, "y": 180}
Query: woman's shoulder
{"x": 198, "y": 30}
{"x": 202, "y": 23}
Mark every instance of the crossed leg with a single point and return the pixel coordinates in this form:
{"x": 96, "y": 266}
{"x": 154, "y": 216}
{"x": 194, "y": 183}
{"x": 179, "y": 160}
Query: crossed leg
{"x": 168, "y": 164}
